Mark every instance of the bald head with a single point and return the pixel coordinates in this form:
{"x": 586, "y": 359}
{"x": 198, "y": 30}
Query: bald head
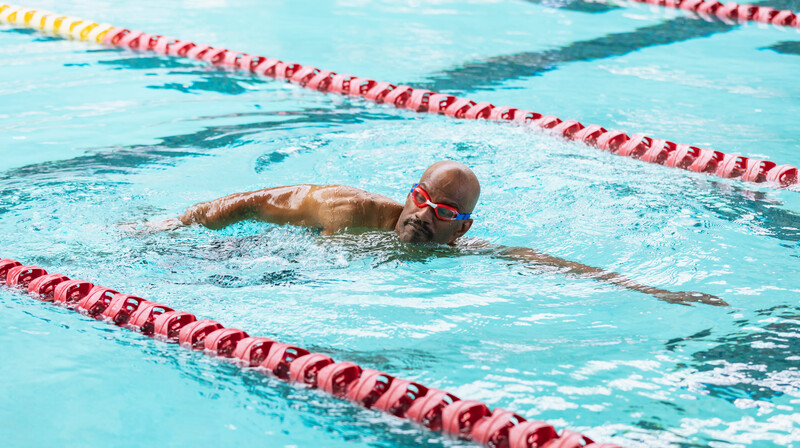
{"x": 447, "y": 183}
{"x": 454, "y": 176}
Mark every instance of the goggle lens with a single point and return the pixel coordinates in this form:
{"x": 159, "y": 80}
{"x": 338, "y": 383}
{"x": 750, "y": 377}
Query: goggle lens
{"x": 443, "y": 212}
{"x": 419, "y": 199}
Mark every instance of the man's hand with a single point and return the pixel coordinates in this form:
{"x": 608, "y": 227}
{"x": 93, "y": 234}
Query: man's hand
{"x": 150, "y": 227}
{"x": 198, "y": 214}
{"x": 688, "y": 297}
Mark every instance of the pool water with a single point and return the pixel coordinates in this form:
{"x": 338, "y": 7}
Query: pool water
{"x": 93, "y": 138}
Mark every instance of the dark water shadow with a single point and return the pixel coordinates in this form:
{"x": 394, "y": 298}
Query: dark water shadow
{"x": 763, "y": 352}
{"x": 150, "y": 62}
{"x": 208, "y": 78}
{"x": 793, "y": 5}
{"x": 489, "y": 73}
{"x": 171, "y": 148}
{"x": 588, "y": 7}
{"x": 791, "y": 47}
{"x": 19, "y": 31}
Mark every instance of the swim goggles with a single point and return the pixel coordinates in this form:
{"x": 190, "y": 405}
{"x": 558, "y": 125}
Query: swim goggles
{"x": 443, "y": 212}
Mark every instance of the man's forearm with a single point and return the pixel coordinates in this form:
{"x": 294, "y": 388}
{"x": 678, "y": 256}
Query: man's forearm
{"x": 222, "y": 212}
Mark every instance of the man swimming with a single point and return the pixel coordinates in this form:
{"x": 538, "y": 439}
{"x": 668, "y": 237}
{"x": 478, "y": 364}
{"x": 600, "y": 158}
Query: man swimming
{"x": 437, "y": 210}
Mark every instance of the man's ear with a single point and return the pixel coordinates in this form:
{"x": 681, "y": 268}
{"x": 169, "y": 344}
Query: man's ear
{"x": 465, "y": 225}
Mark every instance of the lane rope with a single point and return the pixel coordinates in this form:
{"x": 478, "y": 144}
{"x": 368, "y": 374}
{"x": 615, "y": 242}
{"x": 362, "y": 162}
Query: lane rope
{"x": 433, "y": 408}
{"x": 638, "y": 146}
{"x": 731, "y": 12}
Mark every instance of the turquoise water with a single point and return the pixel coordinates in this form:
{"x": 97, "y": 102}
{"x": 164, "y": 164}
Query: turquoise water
{"x": 93, "y": 138}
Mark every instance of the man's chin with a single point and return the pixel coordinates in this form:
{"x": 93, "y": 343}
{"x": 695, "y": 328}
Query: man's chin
{"x": 412, "y": 237}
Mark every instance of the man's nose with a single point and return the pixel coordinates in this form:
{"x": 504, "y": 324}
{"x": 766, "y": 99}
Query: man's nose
{"x": 426, "y": 214}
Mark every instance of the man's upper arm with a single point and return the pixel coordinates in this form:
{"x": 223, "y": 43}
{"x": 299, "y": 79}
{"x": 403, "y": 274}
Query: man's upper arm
{"x": 287, "y": 205}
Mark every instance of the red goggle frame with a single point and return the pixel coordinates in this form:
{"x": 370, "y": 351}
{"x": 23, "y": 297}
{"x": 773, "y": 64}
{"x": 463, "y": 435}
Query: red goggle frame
{"x": 443, "y": 212}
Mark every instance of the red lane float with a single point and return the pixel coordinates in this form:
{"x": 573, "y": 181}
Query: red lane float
{"x": 659, "y": 151}
{"x": 460, "y": 417}
{"x": 252, "y": 351}
{"x": 224, "y": 341}
{"x": 194, "y": 334}
{"x": 70, "y": 292}
{"x": 168, "y": 325}
{"x": 337, "y": 377}
{"x": 369, "y": 387}
{"x": 280, "y": 358}
{"x": 21, "y": 276}
{"x": 6, "y": 265}
{"x": 531, "y": 434}
{"x": 306, "y": 368}
{"x": 44, "y": 286}
{"x": 493, "y": 430}
{"x": 433, "y": 408}
{"x": 427, "y": 410}
{"x": 400, "y": 396}
{"x": 122, "y": 307}
{"x": 96, "y": 302}
{"x": 144, "y": 317}
{"x": 732, "y": 11}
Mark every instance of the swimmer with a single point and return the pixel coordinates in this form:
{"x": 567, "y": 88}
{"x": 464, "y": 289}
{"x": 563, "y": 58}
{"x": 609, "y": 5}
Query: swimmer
{"x": 437, "y": 210}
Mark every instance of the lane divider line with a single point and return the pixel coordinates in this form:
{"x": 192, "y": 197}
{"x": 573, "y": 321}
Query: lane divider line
{"x": 638, "y": 146}
{"x": 435, "y": 409}
{"x": 732, "y": 12}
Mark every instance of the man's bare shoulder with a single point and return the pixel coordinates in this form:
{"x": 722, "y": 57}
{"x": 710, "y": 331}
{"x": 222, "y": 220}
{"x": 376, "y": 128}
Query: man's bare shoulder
{"x": 341, "y": 207}
{"x": 345, "y": 192}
